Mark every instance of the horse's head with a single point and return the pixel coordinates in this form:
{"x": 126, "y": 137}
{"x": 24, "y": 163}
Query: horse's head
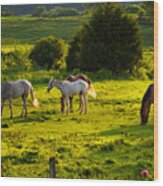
{"x": 51, "y": 84}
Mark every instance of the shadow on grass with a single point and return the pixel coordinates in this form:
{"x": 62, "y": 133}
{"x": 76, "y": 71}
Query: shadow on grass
{"x": 127, "y": 130}
{"x": 35, "y": 117}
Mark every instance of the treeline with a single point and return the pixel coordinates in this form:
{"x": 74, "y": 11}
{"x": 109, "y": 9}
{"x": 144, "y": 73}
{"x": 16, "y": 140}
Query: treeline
{"x": 20, "y": 10}
{"x": 41, "y": 11}
{"x": 142, "y": 10}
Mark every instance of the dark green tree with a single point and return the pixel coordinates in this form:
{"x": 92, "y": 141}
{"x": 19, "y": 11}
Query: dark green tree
{"x": 111, "y": 40}
{"x": 49, "y": 52}
{"x": 40, "y": 11}
{"x": 6, "y": 12}
{"x": 149, "y": 8}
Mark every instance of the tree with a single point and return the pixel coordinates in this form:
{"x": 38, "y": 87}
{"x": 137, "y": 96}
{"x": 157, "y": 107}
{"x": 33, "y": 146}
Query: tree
{"x": 40, "y": 11}
{"x": 149, "y": 8}
{"x": 49, "y": 52}
{"x": 6, "y": 12}
{"x": 111, "y": 40}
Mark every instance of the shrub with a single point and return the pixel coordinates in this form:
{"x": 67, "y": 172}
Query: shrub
{"x": 111, "y": 40}
{"x": 40, "y": 11}
{"x": 58, "y": 12}
{"x": 49, "y": 52}
{"x": 15, "y": 61}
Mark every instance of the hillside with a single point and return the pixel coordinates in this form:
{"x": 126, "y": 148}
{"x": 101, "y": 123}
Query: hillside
{"x": 30, "y": 8}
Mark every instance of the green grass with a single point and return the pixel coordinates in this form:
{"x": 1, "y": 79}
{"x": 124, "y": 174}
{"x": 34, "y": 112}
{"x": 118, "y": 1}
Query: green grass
{"x": 26, "y": 29}
{"x": 16, "y": 30}
{"x": 107, "y": 143}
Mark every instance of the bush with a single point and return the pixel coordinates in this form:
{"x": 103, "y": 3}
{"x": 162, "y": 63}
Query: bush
{"x": 58, "y": 12}
{"x": 15, "y": 61}
{"x": 40, "y": 11}
{"x": 111, "y": 40}
{"x": 49, "y": 52}
{"x": 6, "y": 12}
{"x": 145, "y": 70}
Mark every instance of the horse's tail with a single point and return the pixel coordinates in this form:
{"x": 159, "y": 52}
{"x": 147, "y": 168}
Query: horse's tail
{"x": 91, "y": 90}
{"x": 35, "y": 102}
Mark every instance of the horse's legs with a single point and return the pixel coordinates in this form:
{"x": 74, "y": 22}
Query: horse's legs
{"x": 145, "y": 112}
{"x": 85, "y": 103}
{"x": 2, "y": 105}
{"x": 71, "y": 104}
{"x": 67, "y": 104}
{"x": 10, "y": 105}
{"x": 82, "y": 104}
{"x": 25, "y": 105}
{"x": 62, "y": 104}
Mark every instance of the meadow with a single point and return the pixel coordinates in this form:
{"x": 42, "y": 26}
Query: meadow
{"x": 26, "y": 30}
{"x": 107, "y": 143}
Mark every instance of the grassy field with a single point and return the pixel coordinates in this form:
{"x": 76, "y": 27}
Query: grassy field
{"x": 107, "y": 143}
{"x": 26, "y": 30}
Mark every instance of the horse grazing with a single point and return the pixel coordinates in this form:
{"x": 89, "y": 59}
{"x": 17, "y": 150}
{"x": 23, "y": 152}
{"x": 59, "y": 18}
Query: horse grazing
{"x": 69, "y": 89}
{"x": 12, "y": 90}
{"x": 147, "y": 100}
{"x": 73, "y": 78}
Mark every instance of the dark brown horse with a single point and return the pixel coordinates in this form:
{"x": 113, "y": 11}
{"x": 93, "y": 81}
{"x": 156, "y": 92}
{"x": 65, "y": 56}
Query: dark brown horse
{"x": 73, "y": 78}
{"x": 147, "y": 100}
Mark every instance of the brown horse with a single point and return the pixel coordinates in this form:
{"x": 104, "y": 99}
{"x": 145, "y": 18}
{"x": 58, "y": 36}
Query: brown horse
{"x": 147, "y": 100}
{"x": 12, "y": 90}
{"x": 73, "y": 78}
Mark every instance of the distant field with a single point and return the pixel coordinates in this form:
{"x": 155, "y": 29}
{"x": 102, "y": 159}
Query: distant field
{"x": 107, "y": 143}
{"x": 26, "y": 30}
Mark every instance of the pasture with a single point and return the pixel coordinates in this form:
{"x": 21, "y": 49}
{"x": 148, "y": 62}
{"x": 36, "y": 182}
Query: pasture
{"x": 26, "y": 30}
{"x": 107, "y": 143}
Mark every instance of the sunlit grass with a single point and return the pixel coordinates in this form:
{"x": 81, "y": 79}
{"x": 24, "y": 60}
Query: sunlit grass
{"x": 107, "y": 143}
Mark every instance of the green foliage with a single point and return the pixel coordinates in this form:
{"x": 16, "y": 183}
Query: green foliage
{"x": 114, "y": 44}
{"x": 49, "y": 52}
{"x": 55, "y": 12}
{"x": 135, "y": 8}
{"x": 149, "y": 11}
{"x": 145, "y": 70}
{"x": 59, "y": 12}
{"x": 6, "y": 12}
{"x": 15, "y": 61}
{"x": 40, "y": 11}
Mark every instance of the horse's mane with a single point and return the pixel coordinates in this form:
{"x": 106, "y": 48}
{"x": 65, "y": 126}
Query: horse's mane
{"x": 77, "y": 77}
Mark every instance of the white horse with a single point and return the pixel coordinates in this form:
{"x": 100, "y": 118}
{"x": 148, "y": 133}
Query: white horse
{"x": 12, "y": 90}
{"x": 68, "y": 89}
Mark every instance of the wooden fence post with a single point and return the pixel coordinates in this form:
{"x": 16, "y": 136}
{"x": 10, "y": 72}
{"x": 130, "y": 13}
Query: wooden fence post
{"x": 52, "y": 163}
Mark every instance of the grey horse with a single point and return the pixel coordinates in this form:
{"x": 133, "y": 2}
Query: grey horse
{"x": 73, "y": 78}
{"x": 12, "y": 90}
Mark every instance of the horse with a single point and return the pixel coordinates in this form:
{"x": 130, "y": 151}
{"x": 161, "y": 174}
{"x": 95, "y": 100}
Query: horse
{"x": 147, "y": 100}
{"x": 68, "y": 89}
{"x": 12, "y": 90}
{"x": 73, "y": 78}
